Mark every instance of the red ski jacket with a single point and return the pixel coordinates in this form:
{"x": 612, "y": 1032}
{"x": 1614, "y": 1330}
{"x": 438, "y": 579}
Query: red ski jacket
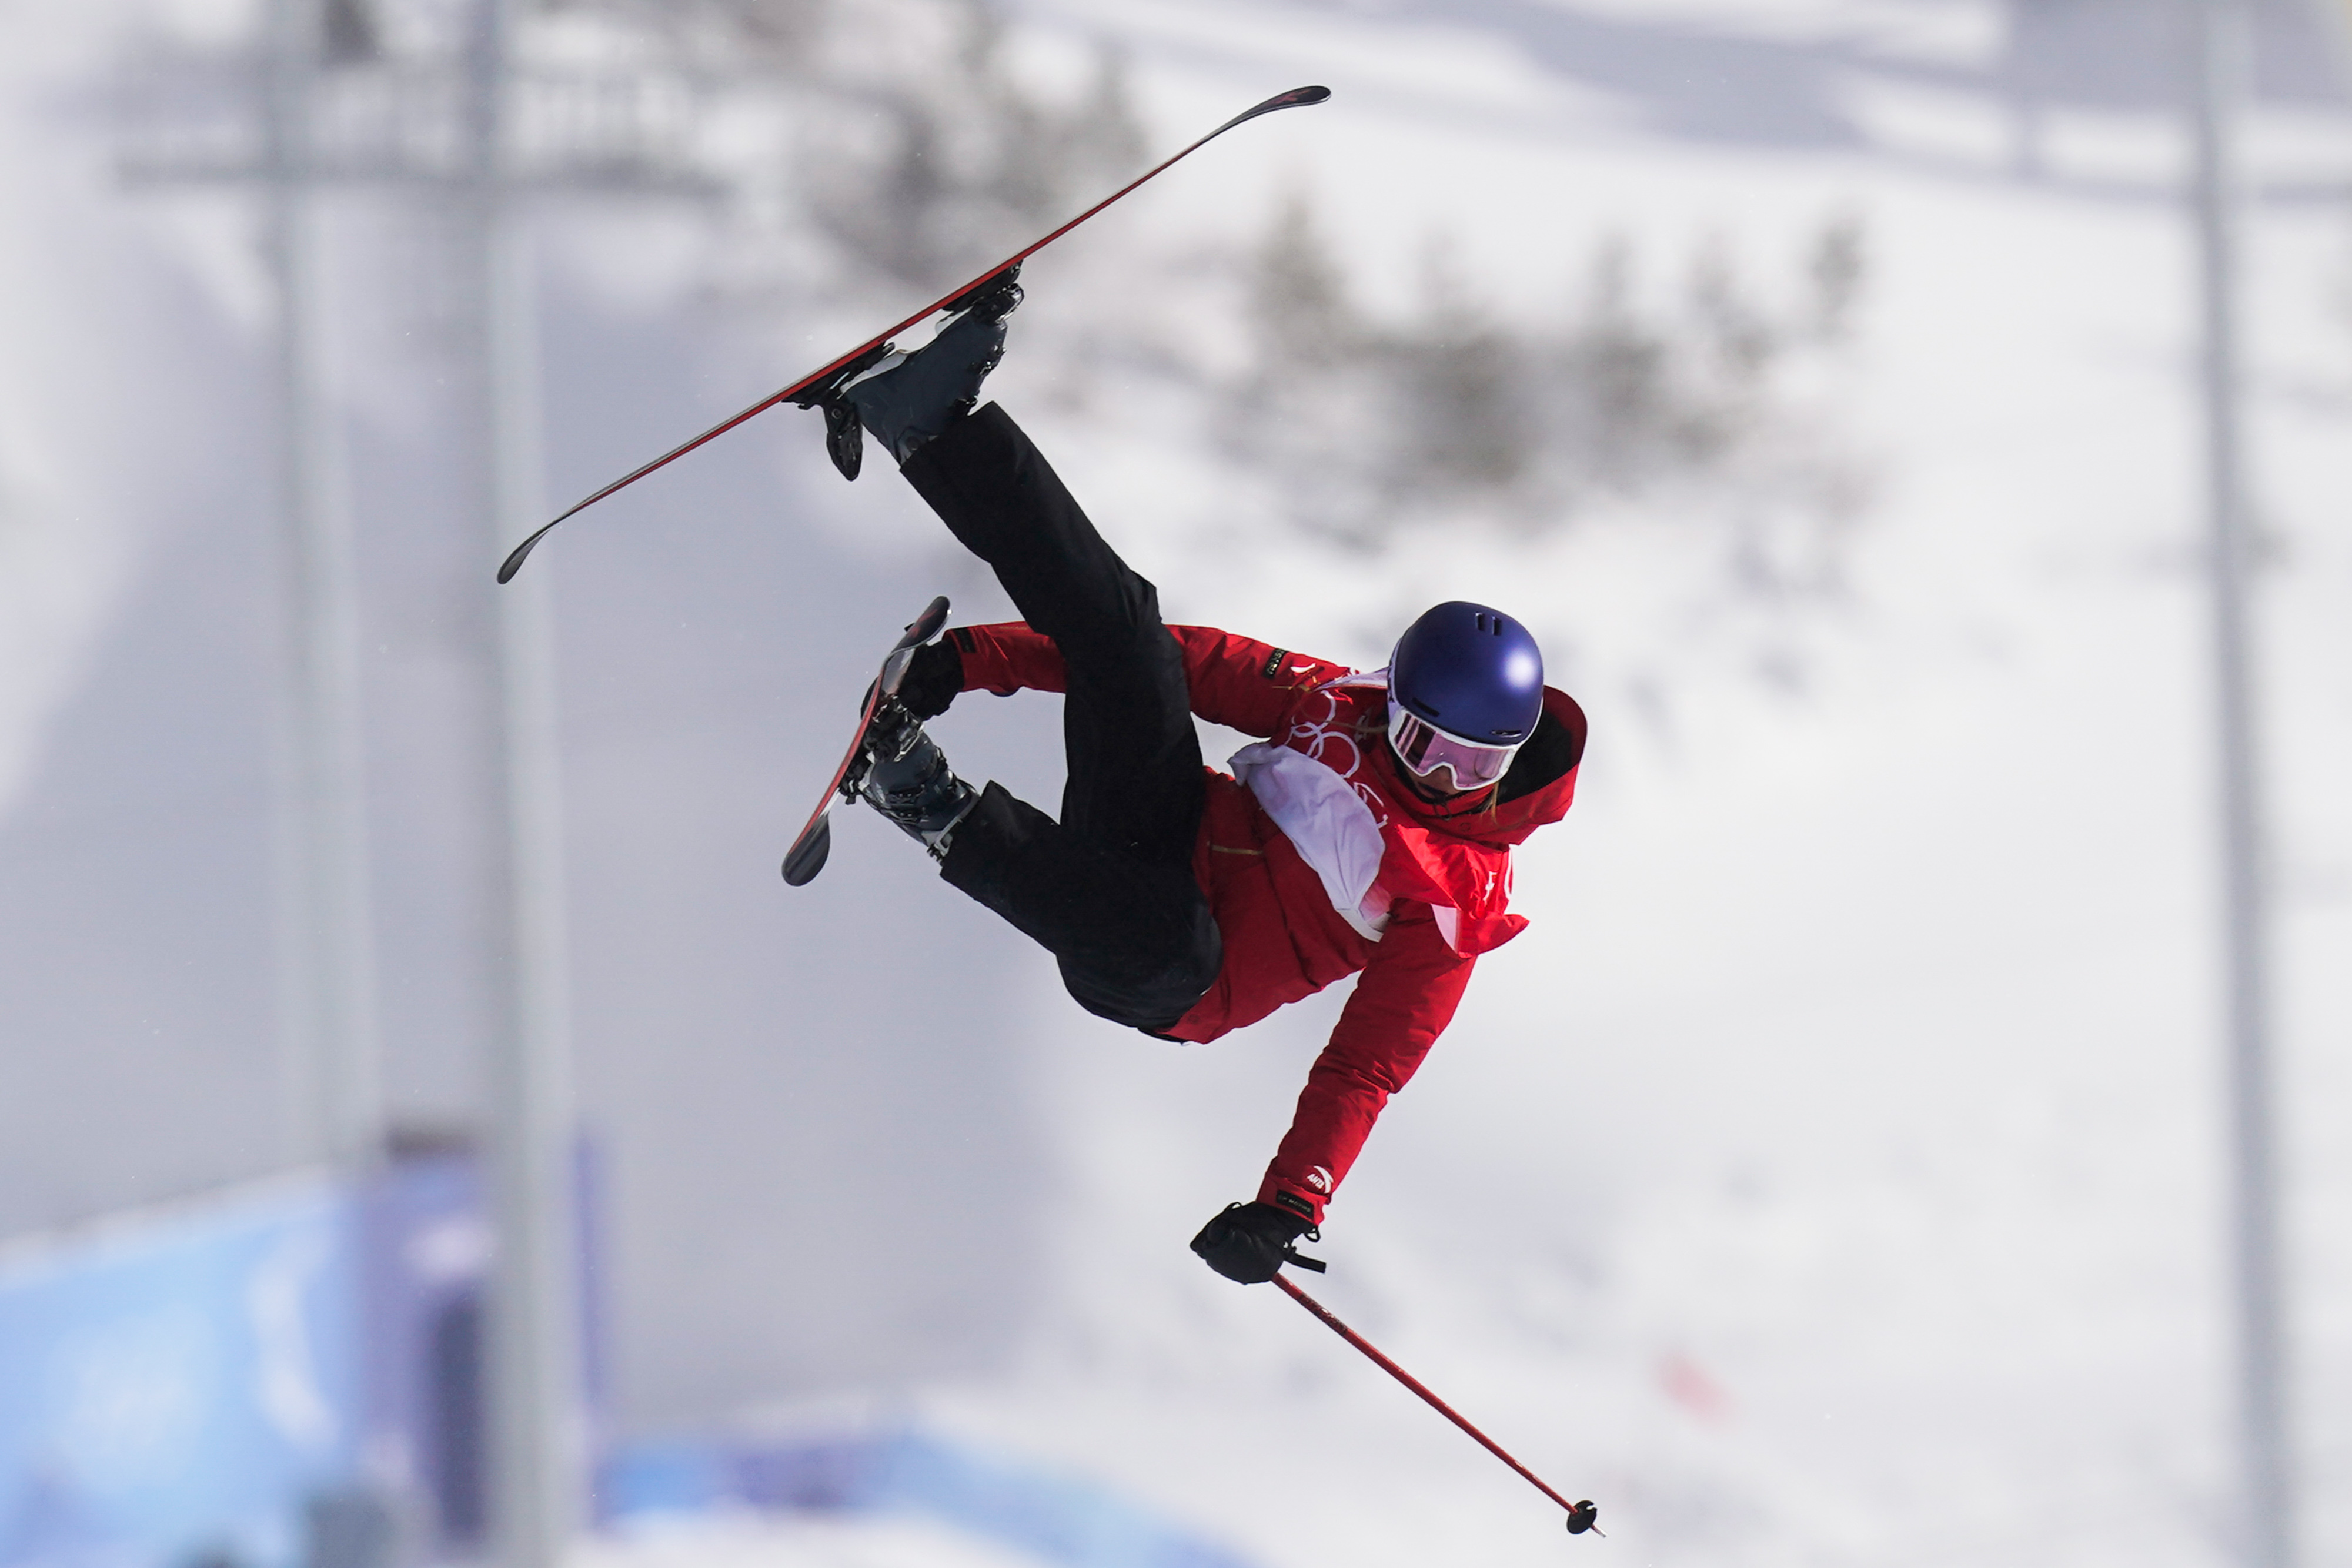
{"x": 1319, "y": 861}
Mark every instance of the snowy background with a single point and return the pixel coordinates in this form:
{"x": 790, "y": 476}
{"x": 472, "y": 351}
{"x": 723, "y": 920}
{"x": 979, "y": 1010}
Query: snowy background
{"x": 1831, "y": 1175}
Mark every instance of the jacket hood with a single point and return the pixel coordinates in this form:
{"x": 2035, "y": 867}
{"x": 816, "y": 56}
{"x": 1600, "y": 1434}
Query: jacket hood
{"x": 1538, "y": 789}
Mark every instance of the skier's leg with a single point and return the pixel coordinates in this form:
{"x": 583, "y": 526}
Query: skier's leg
{"x": 1110, "y": 889}
{"x": 1134, "y": 938}
{"x": 1135, "y": 780}
{"x": 1135, "y": 763}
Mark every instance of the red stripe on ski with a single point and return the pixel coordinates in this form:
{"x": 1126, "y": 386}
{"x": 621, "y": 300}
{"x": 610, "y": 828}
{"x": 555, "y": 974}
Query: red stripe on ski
{"x": 1297, "y": 97}
{"x": 918, "y": 631}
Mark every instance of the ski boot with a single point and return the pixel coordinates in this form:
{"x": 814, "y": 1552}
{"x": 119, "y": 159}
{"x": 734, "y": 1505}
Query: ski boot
{"x": 905, "y": 776}
{"x": 903, "y": 400}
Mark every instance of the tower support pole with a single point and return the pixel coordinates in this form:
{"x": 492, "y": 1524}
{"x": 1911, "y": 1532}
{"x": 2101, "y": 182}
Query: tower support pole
{"x": 2222, "y": 69}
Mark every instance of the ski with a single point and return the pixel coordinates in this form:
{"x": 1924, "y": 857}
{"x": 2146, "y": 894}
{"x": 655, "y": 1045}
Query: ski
{"x": 1297, "y": 97}
{"x": 814, "y": 841}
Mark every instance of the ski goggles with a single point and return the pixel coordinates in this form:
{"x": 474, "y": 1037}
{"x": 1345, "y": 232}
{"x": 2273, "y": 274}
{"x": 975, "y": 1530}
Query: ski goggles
{"x": 1425, "y": 748}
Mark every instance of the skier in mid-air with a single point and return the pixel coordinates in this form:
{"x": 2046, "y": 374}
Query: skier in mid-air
{"x": 1370, "y": 830}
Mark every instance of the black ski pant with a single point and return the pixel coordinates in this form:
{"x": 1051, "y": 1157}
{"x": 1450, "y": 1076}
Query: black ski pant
{"x": 1108, "y": 890}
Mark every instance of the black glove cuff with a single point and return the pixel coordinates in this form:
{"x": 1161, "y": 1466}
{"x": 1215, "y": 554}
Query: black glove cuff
{"x": 1297, "y": 1206}
{"x": 934, "y": 678}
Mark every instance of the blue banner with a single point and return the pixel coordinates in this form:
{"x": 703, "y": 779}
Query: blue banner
{"x": 171, "y": 1389}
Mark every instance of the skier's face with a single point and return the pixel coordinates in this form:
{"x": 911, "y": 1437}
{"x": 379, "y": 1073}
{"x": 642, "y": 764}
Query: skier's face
{"x": 1441, "y": 764}
{"x": 1436, "y": 785}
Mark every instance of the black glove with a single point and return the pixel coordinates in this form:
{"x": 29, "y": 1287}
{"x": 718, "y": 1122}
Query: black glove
{"x": 933, "y": 678}
{"x": 1249, "y": 1242}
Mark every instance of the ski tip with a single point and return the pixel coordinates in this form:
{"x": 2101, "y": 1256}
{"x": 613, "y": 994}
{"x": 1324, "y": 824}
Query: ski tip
{"x": 513, "y": 563}
{"x": 926, "y": 626}
{"x": 807, "y": 855}
{"x": 1296, "y": 97}
{"x": 521, "y": 552}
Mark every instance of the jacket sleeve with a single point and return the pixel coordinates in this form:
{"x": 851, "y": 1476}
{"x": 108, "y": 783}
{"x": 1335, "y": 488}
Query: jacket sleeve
{"x": 1234, "y": 681}
{"x": 1008, "y": 657}
{"x": 1403, "y": 1000}
{"x": 1246, "y": 685}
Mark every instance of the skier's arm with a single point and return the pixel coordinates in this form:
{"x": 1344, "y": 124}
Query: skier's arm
{"x": 1243, "y": 683}
{"x": 1404, "y": 999}
{"x": 1008, "y": 657}
{"x": 1234, "y": 681}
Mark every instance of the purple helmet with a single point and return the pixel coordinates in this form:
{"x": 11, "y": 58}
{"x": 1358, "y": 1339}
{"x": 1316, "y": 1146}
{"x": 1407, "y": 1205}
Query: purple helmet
{"x": 1472, "y": 678}
{"x": 1473, "y": 671}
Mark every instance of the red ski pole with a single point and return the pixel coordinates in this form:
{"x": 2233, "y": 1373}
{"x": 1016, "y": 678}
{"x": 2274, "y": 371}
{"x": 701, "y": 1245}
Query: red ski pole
{"x": 1581, "y": 1515}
